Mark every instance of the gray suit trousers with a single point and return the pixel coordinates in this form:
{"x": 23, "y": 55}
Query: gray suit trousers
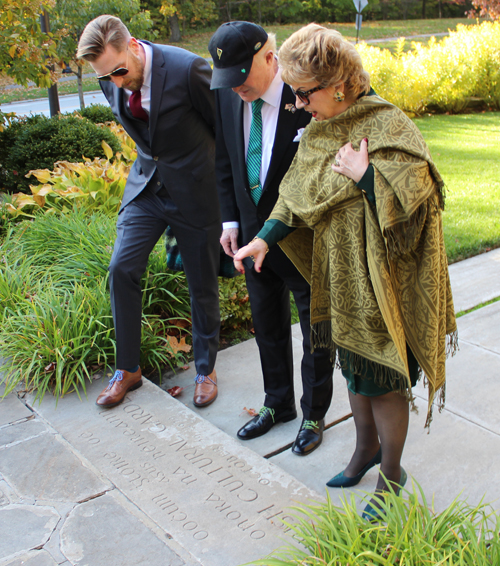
{"x": 140, "y": 225}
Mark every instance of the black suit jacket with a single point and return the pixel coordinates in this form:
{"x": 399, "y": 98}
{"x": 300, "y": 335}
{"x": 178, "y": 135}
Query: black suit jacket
{"x": 179, "y": 142}
{"x": 232, "y": 181}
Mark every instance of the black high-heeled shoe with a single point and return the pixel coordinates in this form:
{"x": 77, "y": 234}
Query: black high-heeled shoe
{"x": 343, "y": 481}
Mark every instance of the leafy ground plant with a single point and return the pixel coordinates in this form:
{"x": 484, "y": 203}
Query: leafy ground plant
{"x": 56, "y": 326}
{"x": 412, "y": 535}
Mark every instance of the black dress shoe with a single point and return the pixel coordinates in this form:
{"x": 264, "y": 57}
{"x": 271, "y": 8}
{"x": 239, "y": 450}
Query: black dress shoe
{"x": 309, "y": 438}
{"x": 265, "y": 421}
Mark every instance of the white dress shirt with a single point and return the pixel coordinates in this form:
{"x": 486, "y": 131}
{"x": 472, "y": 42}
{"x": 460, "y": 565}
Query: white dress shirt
{"x": 270, "y": 113}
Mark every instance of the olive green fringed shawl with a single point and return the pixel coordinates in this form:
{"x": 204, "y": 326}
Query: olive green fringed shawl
{"x": 379, "y": 275}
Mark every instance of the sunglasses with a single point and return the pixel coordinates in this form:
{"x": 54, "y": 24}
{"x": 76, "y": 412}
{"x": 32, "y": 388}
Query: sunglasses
{"x": 120, "y": 72}
{"x": 303, "y": 95}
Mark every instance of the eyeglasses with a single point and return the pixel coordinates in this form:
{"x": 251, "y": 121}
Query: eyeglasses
{"x": 120, "y": 72}
{"x": 303, "y": 95}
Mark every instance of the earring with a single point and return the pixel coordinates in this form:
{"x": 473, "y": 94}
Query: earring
{"x": 339, "y": 96}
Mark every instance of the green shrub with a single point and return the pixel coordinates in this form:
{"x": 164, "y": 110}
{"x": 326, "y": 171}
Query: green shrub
{"x": 97, "y": 113}
{"x": 234, "y": 303}
{"x": 412, "y": 535}
{"x": 56, "y": 327}
{"x": 38, "y": 144}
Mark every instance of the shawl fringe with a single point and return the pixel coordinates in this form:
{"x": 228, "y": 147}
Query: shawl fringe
{"x": 452, "y": 346}
{"x": 401, "y": 237}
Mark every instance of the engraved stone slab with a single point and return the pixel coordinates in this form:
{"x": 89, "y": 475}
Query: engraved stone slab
{"x": 101, "y": 532}
{"x": 475, "y": 280}
{"x": 239, "y": 375}
{"x": 23, "y": 527}
{"x": 44, "y": 469}
{"x": 33, "y": 558}
{"x": 215, "y": 497}
{"x": 12, "y": 410}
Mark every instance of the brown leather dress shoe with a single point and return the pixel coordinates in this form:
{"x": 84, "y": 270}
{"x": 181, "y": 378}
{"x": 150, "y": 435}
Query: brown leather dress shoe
{"x": 119, "y": 385}
{"x": 205, "y": 391}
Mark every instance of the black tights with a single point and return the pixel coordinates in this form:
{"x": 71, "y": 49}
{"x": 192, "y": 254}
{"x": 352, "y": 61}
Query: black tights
{"x": 380, "y": 421}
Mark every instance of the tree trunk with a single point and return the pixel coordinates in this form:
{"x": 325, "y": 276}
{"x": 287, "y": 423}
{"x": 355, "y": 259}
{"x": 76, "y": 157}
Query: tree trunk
{"x": 175, "y": 32}
{"x": 260, "y": 13}
{"x": 423, "y": 9}
{"x": 79, "y": 80}
{"x": 440, "y": 9}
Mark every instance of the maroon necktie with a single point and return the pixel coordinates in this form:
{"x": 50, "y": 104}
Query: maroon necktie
{"x": 136, "y": 107}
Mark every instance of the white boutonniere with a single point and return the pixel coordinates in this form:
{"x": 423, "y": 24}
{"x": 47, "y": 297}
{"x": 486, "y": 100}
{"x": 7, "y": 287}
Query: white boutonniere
{"x": 300, "y": 131}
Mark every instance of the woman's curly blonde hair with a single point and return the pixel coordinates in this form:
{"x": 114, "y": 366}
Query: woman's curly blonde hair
{"x": 323, "y": 55}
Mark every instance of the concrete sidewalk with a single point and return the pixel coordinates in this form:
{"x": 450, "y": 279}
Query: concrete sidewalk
{"x": 156, "y": 481}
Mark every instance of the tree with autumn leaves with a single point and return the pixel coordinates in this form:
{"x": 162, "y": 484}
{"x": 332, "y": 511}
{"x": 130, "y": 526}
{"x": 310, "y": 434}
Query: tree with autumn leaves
{"x": 485, "y": 8}
{"x": 25, "y": 50}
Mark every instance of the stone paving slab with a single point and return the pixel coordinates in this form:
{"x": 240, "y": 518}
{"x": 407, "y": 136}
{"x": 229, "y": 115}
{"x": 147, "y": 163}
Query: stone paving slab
{"x": 241, "y": 385}
{"x": 24, "y": 527}
{"x": 33, "y": 558}
{"x": 101, "y": 532}
{"x": 45, "y": 469}
{"x": 12, "y": 410}
{"x": 215, "y": 497}
{"x": 473, "y": 373}
{"x": 328, "y": 460}
{"x": 476, "y": 280}
{"x": 456, "y": 457}
{"x": 21, "y": 431}
{"x": 482, "y": 328}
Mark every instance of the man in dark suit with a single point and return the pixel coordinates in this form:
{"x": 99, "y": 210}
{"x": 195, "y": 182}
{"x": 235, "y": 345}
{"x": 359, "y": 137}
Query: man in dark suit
{"x": 161, "y": 95}
{"x": 250, "y": 98}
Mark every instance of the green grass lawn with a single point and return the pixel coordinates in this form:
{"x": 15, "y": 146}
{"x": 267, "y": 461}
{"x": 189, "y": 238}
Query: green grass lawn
{"x": 466, "y": 150}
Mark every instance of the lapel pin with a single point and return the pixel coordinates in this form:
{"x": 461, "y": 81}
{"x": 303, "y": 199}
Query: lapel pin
{"x": 291, "y": 108}
{"x": 219, "y": 52}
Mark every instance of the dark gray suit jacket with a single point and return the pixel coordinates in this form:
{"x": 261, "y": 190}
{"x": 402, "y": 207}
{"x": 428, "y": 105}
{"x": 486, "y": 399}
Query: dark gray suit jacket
{"x": 232, "y": 181}
{"x": 180, "y": 141}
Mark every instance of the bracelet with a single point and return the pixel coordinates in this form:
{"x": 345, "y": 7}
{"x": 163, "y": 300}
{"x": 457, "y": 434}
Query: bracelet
{"x": 262, "y": 240}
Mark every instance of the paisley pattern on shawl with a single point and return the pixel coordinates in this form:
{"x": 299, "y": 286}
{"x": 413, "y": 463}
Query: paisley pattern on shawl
{"x": 379, "y": 275}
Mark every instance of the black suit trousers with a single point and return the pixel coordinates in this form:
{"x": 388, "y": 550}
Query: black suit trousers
{"x": 269, "y": 293}
{"x": 140, "y": 225}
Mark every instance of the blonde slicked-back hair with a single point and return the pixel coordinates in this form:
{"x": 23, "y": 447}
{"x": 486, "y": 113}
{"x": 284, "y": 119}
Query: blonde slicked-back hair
{"x": 98, "y": 34}
{"x": 323, "y": 55}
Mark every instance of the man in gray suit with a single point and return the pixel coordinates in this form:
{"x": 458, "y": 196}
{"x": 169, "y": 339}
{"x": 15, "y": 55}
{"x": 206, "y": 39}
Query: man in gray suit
{"x": 161, "y": 95}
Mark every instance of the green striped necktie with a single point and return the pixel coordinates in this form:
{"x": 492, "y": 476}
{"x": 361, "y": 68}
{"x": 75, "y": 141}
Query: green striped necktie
{"x": 254, "y": 155}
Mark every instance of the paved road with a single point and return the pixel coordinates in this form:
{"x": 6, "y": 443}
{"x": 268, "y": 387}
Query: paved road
{"x": 67, "y": 103}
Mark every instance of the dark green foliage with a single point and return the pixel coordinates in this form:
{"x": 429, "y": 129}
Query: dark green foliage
{"x": 98, "y": 113}
{"x": 37, "y": 143}
{"x": 56, "y": 327}
{"x": 234, "y": 303}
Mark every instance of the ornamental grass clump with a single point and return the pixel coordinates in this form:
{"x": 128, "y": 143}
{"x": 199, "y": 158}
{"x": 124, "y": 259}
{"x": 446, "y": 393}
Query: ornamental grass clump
{"x": 412, "y": 535}
{"x": 460, "y": 71}
{"x": 56, "y": 327}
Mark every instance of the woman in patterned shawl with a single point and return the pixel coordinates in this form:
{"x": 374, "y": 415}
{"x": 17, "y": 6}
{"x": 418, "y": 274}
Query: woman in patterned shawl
{"x": 359, "y": 214}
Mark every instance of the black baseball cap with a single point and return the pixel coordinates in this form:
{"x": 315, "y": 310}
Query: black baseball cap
{"x": 232, "y": 48}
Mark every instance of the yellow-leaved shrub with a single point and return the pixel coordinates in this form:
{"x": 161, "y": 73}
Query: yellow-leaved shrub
{"x": 448, "y": 76}
{"x": 91, "y": 185}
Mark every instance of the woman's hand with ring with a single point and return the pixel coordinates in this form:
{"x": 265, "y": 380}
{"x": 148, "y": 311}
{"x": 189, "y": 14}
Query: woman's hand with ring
{"x": 256, "y": 249}
{"x": 352, "y": 163}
